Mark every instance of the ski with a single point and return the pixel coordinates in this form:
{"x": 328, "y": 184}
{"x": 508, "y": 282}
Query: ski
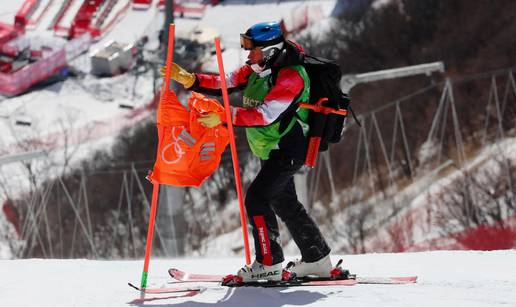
{"x": 190, "y": 291}
{"x": 387, "y": 280}
{"x": 182, "y": 277}
{"x": 232, "y": 280}
{"x": 143, "y": 300}
{"x": 236, "y": 281}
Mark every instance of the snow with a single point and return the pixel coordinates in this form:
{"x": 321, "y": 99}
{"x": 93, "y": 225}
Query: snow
{"x": 48, "y": 17}
{"x": 380, "y": 3}
{"x": 245, "y": 15}
{"x": 446, "y": 278}
{"x": 127, "y": 30}
{"x": 93, "y": 100}
{"x": 40, "y": 9}
{"x": 8, "y": 10}
{"x": 71, "y": 13}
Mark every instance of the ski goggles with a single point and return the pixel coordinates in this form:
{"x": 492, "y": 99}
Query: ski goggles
{"x": 246, "y": 42}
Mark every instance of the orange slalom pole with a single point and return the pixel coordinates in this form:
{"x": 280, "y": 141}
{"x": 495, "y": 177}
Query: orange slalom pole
{"x": 155, "y": 185}
{"x": 234, "y": 155}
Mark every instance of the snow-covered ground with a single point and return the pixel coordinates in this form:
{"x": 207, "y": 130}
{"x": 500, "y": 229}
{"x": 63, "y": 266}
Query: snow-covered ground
{"x": 48, "y": 16}
{"x": 8, "y": 11}
{"x": 127, "y": 30}
{"x": 232, "y": 20}
{"x": 455, "y": 279}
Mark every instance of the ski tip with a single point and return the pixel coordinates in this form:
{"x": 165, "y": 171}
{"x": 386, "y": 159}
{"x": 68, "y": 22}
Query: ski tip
{"x": 407, "y": 279}
{"x": 399, "y": 280}
{"x": 168, "y": 290}
{"x": 176, "y": 274}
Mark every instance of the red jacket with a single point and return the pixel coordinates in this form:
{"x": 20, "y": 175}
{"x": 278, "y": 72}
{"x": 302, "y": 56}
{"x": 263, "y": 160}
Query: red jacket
{"x": 287, "y": 86}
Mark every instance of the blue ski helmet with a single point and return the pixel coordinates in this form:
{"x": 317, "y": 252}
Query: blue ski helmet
{"x": 262, "y": 35}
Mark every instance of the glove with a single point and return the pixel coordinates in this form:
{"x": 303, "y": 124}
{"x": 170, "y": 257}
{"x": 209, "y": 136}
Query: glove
{"x": 210, "y": 120}
{"x": 180, "y": 75}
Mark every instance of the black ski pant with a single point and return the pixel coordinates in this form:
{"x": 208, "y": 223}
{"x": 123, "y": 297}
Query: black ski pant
{"x": 273, "y": 192}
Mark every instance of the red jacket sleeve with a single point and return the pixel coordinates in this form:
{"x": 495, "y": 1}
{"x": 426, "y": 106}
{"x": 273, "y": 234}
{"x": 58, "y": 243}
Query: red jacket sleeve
{"x": 234, "y": 79}
{"x": 289, "y": 85}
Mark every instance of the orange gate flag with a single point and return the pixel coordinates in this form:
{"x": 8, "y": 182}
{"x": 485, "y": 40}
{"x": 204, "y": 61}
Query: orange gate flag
{"x": 188, "y": 152}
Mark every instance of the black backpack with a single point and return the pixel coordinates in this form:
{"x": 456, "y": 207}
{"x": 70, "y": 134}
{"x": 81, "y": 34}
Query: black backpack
{"x": 325, "y": 78}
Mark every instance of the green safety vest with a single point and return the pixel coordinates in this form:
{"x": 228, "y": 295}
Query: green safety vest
{"x": 263, "y": 139}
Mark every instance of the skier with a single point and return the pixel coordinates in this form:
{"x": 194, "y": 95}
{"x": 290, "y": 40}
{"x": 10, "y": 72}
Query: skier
{"x": 273, "y": 83}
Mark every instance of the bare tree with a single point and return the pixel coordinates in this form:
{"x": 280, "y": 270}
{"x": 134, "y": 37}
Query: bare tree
{"x": 480, "y": 201}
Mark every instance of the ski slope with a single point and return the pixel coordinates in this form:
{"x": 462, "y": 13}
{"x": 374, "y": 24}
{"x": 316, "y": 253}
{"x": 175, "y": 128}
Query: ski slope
{"x": 133, "y": 24}
{"x": 231, "y": 20}
{"x": 8, "y": 11}
{"x": 458, "y": 279}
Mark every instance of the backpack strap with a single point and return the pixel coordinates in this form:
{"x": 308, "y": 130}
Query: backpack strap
{"x": 348, "y": 107}
{"x": 274, "y": 75}
{"x": 354, "y": 116}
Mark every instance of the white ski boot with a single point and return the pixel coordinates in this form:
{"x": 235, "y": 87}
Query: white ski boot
{"x": 319, "y": 268}
{"x": 257, "y": 271}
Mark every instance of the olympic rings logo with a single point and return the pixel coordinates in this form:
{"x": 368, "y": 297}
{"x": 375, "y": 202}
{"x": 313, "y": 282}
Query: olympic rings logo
{"x": 177, "y": 150}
